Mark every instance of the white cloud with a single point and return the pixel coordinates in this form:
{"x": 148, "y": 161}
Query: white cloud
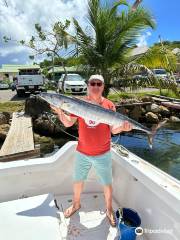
{"x": 12, "y": 49}
{"x": 142, "y": 41}
{"x": 15, "y": 60}
{"x": 18, "y": 19}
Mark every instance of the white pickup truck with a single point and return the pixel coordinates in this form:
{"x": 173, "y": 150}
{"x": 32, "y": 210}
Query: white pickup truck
{"x": 29, "y": 81}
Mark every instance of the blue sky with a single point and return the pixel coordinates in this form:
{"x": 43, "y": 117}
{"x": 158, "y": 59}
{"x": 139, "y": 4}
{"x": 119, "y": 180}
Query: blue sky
{"x": 18, "y": 19}
{"x": 167, "y": 15}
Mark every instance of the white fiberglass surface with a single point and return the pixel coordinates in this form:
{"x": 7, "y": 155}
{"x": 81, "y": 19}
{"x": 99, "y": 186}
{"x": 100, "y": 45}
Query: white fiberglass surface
{"x": 89, "y": 222}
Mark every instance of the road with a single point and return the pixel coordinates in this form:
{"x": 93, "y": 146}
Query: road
{"x": 9, "y": 95}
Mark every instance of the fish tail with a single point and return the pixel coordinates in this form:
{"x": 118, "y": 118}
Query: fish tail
{"x": 150, "y": 140}
{"x": 153, "y": 132}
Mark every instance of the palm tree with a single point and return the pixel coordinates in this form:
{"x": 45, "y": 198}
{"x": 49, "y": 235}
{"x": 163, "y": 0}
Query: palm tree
{"x": 158, "y": 57}
{"x": 114, "y": 33}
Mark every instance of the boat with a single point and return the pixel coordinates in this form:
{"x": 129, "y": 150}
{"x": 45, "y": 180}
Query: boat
{"x": 35, "y": 192}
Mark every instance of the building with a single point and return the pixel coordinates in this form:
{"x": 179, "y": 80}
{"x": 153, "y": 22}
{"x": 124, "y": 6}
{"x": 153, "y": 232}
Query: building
{"x": 8, "y": 71}
{"x": 58, "y": 71}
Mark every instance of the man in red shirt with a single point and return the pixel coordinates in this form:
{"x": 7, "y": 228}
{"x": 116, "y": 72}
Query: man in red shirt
{"x": 94, "y": 144}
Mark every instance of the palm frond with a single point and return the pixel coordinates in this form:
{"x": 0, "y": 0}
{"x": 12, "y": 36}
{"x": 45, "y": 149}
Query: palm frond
{"x": 158, "y": 57}
{"x": 114, "y": 34}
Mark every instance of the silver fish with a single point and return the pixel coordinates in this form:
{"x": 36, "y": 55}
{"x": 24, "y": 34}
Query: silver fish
{"x": 91, "y": 111}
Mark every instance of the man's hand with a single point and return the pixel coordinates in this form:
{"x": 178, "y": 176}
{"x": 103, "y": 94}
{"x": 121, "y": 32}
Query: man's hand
{"x": 64, "y": 118}
{"x": 125, "y": 126}
{"x": 56, "y": 110}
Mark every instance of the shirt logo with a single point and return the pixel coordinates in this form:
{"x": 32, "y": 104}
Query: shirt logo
{"x": 91, "y": 123}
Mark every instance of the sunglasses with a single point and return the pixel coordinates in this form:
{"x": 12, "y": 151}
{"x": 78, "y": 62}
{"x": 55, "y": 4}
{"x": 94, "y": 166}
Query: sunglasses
{"x": 99, "y": 84}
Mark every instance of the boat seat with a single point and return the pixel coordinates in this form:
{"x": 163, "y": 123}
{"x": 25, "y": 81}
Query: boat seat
{"x": 29, "y": 218}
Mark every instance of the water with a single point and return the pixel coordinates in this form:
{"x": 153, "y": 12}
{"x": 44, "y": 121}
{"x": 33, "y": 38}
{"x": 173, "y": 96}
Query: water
{"x": 165, "y": 153}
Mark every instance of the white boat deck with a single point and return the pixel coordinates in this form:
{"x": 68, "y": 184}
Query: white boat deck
{"x": 136, "y": 184}
{"x": 89, "y": 222}
{"x": 39, "y": 218}
{"x": 29, "y": 218}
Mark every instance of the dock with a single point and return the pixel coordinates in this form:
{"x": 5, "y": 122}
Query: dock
{"x": 19, "y": 143}
{"x": 164, "y": 98}
{"x": 167, "y": 101}
{"x": 132, "y": 104}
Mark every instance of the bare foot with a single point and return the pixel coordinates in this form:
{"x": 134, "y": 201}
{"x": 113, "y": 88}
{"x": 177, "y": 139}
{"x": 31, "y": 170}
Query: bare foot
{"x": 71, "y": 210}
{"x": 111, "y": 217}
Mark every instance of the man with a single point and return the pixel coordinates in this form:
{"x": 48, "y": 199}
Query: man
{"x": 93, "y": 148}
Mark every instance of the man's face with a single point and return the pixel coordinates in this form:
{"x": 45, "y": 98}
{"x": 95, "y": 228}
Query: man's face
{"x": 95, "y": 87}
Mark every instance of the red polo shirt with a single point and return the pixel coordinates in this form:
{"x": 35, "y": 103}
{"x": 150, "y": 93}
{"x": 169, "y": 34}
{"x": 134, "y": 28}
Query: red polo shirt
{"x": 94, "y": 139}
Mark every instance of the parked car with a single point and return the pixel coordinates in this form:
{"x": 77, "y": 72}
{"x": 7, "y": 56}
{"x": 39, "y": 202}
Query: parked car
{"x": 178, "y": 81}
{"x": 29, "y": 80}
{"x": 177, "y": 77}
{"x": 13, "y": 86}
{"x": 4, "y": 85}
{"x": 160, "y": 73}
{"x": 140, "y": 76}
{"x": 73, "y": 83}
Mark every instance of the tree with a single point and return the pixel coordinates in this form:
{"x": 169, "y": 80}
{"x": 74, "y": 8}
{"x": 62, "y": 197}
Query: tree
{"x": 113, "y": 35}
{"x": 159, "y": 56}
{"x": 48, "y": 42}
{"x": 156, "y": 57}
{"x": 105, "y": 45}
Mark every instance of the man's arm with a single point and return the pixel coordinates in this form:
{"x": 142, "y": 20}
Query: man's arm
{"x": 67, "y": 120}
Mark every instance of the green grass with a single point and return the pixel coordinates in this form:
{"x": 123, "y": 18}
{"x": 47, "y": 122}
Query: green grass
{"x": 117, "y": 96}
{"x": 122, "y": 95}
{"x": 11, "y": 106}
{"x": 169, "y": 94}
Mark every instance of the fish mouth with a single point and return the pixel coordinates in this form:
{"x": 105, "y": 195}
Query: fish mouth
{"x": 45, "y": 98}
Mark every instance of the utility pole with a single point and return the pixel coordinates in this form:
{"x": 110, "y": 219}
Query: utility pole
{"x": 53, "y": 68}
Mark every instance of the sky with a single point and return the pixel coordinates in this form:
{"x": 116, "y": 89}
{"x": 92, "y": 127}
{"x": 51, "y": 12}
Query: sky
{"x": 17, "y": 19}
{"x": 167, "y": 16}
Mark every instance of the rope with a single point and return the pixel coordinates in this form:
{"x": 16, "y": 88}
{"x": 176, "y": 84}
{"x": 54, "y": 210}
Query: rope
{"x": 50, "y": 118}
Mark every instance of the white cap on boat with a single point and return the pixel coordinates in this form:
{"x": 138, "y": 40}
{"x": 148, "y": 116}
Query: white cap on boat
{"x": 96, "y": 77}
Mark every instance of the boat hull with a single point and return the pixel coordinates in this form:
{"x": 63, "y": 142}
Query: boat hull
{"x": 136, "y": 184}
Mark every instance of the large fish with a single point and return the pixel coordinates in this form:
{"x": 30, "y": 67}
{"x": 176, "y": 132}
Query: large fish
{"x": 91, "y": 111}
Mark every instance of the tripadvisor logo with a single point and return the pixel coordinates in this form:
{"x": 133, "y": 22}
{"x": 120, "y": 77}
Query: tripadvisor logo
{"x": 139, "y": 231}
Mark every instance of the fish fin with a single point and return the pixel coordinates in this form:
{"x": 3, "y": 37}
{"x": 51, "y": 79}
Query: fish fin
{"x": 154, "y": 130}
{"x": 157, "y": 126}
{"x": 93, "y": 102}
{"x": 150, "y": 140}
